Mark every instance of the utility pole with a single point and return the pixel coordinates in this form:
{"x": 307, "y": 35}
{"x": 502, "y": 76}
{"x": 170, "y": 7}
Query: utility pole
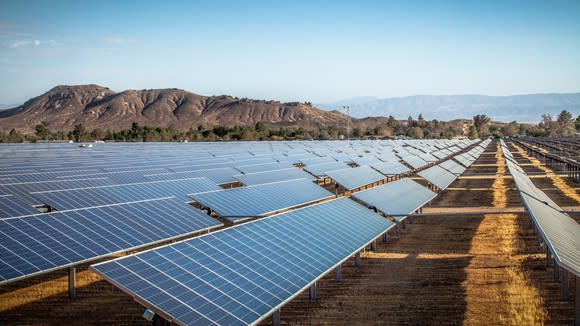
{"x": 347, "y": 107}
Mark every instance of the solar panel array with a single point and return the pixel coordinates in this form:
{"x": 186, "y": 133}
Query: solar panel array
{"x": 118, "y": 197}
{"x": 242, "y": 274}
{"x": 387, "y": 197}
{"x": 560, "y": 232}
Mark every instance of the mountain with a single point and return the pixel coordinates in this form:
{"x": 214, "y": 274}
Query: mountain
{"x": 95, "y": 106}
{"x": 521, "y": 108}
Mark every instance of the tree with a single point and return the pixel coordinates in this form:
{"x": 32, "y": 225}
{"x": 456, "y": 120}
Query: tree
{"x": 79, "y": 132}
{"x": 260, "y": 126}
{"x": 420, "y": 121}
{"x": 565, "y": 124}
{"x": 42, "y": 131}
{"x": 410, "y": 122}
{"x": 473, "y": 132}
{"x": 511, "y": 129}
{"x": 415, "y": 133}
{"x": 481, "y": 122}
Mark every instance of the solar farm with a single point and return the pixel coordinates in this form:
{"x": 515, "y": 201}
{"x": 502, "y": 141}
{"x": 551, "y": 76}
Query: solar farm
{"x": 300, "y": 232}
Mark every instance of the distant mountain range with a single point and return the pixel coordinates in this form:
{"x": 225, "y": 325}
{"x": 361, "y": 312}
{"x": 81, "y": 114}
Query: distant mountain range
{"x": 521, "y": 108}
{"x": 94, "y": 106}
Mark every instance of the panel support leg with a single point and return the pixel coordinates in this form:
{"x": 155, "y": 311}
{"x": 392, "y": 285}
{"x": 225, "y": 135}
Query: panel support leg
{"x": 403, "y": 223}
{"x": 357, "y": 259}
{"x": 72, "y": 282}
{"x": 374, "y": 246}
{"x": 312, "y": 292}
{"x": 556, "y": 271}
{"x": 338, "y": 273}
{"x": 276, "y": 318}
{"x": 385, "y": 237}
{"x": 548, "y": 257}
{"x": 577, "y": 302}
{"x": 565, "y": 284}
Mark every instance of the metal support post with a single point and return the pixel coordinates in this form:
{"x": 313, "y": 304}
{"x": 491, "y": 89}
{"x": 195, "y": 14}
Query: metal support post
{"x": 556, "y": 271}
{"x": 357, "y": 259}
{"x": 385, "y": 237}
{"x": 565, "y": 284}
{"x": 374, "y": 245}
{"x": 276, "y": 318}
{"x": 577, "y": 302}
{"x": 548, "y": 257}
{"x": 72, "y": 282}
{"x": 312, "y": 292}
{"x": 338, "y": 273}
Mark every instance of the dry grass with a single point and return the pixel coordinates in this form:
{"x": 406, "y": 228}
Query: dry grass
{"x": 523, "y": 302}
{"x": 44, "y": 290}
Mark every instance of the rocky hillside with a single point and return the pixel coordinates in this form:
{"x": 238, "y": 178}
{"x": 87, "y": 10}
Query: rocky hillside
{"x": 99, "y": 107}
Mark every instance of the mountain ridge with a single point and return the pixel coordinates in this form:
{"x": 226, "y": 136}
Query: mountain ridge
{"x": 96, "y": 106}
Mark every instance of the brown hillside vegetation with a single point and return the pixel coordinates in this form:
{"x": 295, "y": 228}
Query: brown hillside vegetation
{"x": 441, "y": 270}
{"x": 99, "y": 107}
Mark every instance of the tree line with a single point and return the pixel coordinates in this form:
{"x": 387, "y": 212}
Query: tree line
{"x": 481, "y": 126}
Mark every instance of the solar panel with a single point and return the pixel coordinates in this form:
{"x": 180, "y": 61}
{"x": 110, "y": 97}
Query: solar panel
{"x": 262, "y": 167}
{"x": 218, "y": 175}
{"x": 11, "y": 206}
{"x": 106, "y": 195}
{"x": 237, "y": 204}
{"x": 240, "y": 275}
{"x": 438, "y": 176}
{"x": 356, "y": 177}
{"x": 452, "y": 167}
{"x": 390, "y": 168}
{"x": 273, "y": 176}
{"x": 320, "y": 170}
{"x": 398, "y": 198}
{"x": 414, "y": 161}
{"x": 40, "y": 243}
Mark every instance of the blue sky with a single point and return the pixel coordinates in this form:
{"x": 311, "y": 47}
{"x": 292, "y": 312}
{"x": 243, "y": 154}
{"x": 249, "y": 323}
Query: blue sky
{"x": 317, "y": 51}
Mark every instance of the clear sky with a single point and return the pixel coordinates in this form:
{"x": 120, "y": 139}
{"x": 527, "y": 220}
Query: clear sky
{"x": 317, "y": 51}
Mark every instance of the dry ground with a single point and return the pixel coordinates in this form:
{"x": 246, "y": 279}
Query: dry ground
{"x": 472, "y": 270}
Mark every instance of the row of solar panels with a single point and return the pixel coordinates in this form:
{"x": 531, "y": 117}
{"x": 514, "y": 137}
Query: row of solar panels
{"x": 560, "y": 232}
{"x": 244, "y": 162}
